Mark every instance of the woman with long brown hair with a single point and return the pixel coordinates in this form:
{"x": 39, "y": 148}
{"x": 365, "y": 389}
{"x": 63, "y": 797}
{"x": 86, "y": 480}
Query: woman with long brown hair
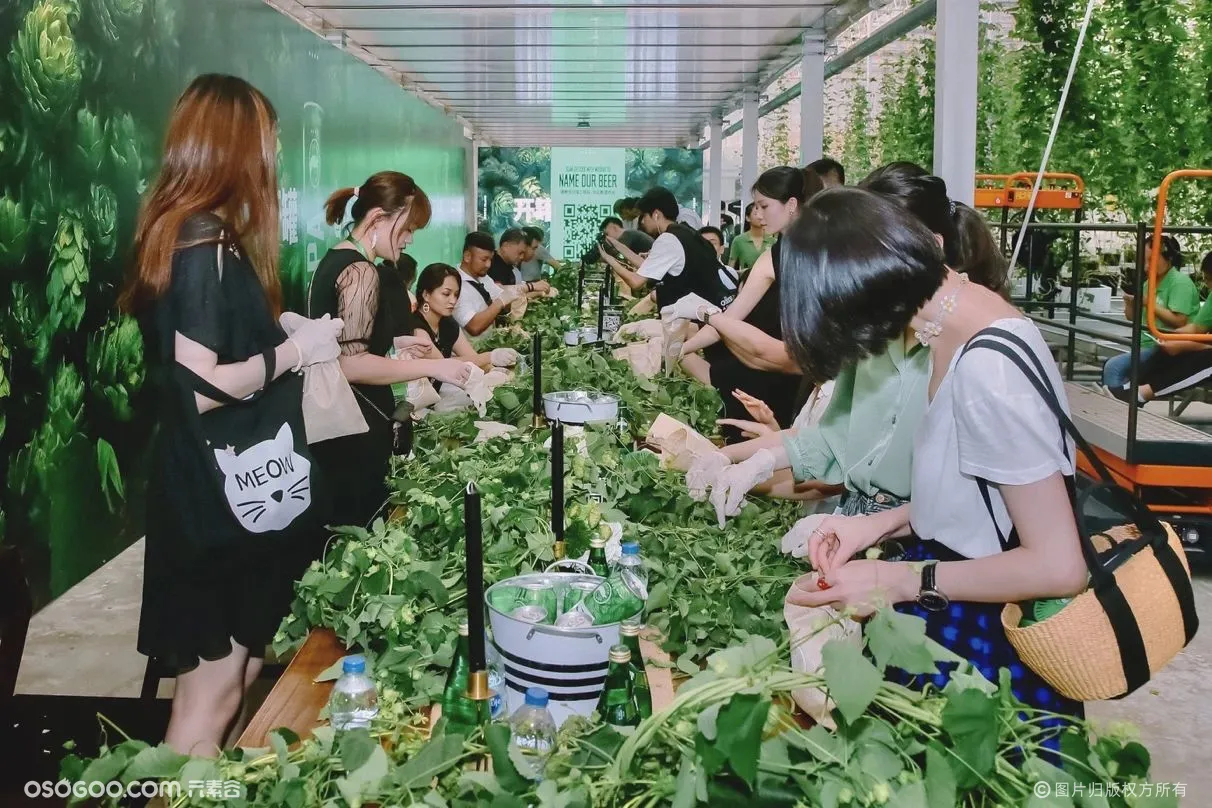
{"x": 221, "y": 530}
{"x": 386, "y": 210}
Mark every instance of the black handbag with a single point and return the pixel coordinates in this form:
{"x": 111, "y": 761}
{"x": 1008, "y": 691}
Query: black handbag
{"x": 254, "y": 449}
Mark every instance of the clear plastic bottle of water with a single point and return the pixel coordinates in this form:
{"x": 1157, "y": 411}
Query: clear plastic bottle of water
{"x": 631, "y": 570}
{"x": 534, "y": 730}
{"x": 354, "y": 701}
{"x": 496, "y": 681}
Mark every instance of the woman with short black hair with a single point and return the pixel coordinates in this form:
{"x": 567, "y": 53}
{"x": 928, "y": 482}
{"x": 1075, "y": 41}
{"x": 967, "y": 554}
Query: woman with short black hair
{"x": 990, "y": 519}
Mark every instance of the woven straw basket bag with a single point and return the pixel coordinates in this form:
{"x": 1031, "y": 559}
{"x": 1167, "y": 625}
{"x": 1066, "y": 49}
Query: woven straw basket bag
{"x": 1139, "y": 609}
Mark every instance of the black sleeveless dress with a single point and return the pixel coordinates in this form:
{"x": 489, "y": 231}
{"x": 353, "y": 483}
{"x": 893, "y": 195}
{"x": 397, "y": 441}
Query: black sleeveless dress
{"x": 445, "y": 338}
{"x": 728, "y": 373}
{"x": 357, "y": 465}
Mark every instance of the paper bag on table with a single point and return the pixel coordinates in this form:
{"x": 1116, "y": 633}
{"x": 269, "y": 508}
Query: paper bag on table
{"x": 644, "y": 357}
{"x": 810, "y": 628}
{"x": 517, "y": 309}
{"x": 640, "y": 330}
{"x": 679, "y": 443}
{"x": 490, "y": 430}
{"x": 329, "y": 407}
{"x": 422, "y": 395}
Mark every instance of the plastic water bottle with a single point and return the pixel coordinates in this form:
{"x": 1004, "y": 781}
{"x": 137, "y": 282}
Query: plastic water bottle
{"x": 534, "y": 730}
{"x": 354, "y": 701}
{"x": 631, "y": 569}
{"x": 496, "y": 681}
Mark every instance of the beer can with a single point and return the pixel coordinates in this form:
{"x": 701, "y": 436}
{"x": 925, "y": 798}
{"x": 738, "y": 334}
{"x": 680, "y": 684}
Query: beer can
{"x": 575, "y": 618}
{"x": 530, "y": 613}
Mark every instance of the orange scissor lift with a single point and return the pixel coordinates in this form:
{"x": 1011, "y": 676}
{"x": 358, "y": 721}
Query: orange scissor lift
{"x": 1167, "y": 463}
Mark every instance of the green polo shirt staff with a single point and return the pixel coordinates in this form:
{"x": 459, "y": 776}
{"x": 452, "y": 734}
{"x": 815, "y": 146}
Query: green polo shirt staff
{"x": 1176, "y": 292}
{"x": 744, "y": 253}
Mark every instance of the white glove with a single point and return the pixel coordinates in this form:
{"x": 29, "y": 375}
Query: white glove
{"x": 689, "y": 307}
{"x": 503, "y": 357}
{"x": 509, "y": 294}
{"x": 795, "y": 542}
{"x": 734, "y": 482}
{"x": 315, "y": 340}
{"x": 455, "y": 371}
{"x": 704, "y": 469}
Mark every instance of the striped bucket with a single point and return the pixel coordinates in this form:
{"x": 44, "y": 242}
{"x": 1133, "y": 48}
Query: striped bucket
{"x": 570, "y": 664}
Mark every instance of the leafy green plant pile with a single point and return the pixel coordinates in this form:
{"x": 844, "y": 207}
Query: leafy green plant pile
{"x": 730, "y": 737}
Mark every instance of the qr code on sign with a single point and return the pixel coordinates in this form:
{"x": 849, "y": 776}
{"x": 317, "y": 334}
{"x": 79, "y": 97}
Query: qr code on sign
{"x": 581, "y": 224}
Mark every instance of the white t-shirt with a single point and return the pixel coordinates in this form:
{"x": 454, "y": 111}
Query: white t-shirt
{"x": 986, "y": 421}
{"x": 471, "y": 302}
{"x": 688, "y": 217}
{"x": 665, "y": 258}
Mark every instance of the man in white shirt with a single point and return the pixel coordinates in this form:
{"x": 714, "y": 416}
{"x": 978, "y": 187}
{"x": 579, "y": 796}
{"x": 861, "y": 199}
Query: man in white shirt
{"x": 481, "y": 299}
{"x": 680, "y": 262}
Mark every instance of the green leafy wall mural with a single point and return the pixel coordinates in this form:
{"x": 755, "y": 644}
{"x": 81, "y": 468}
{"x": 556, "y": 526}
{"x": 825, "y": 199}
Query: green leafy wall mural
{"x": 88, "y": 86}
{"x": 508, "y": 175}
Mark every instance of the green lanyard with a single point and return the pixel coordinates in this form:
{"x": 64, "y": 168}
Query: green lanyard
{"x": 361, "y": 248}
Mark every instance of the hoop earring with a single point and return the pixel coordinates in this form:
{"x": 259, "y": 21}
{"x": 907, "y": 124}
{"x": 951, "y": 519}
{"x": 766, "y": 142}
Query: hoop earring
{"x": 425, "y": 308}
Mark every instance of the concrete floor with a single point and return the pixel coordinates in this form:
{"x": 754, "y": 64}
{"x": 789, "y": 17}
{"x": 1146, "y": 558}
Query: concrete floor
{"x": 84, "y": 644}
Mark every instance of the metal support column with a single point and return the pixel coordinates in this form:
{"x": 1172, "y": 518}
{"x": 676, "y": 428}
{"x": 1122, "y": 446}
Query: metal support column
{"x": 715, "y": 172}
{"x": 957, "y": 34}
{"x": 812, "y": 101}
{"x": 472, "y": 174}
{"x": 749, "y": 145}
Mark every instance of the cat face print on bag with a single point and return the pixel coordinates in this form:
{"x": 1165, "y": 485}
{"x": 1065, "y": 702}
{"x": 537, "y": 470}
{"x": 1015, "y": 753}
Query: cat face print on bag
{"x": 268, "y": 485}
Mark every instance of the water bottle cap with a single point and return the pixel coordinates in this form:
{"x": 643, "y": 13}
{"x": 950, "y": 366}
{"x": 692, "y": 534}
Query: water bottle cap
{"x": 631, "y": 548}
{"x": 536, "y": 697}
{"x": 354, "y": 664}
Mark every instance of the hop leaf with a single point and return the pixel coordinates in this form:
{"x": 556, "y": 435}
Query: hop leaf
{"x": 14, "y": 140}
{"x": 103, "y": 220}
{"x": 68, "y": 277}
{"x": 90, "y": 141}
{"x": 46, "y": 61}
{"x": 116, "y": 358}
{"x": 122, "y": 140}
{"x": 113, "y": 17}
{"x": 14, "y": 232}
{"x": 27, "y": 315}
{"x": 502, "y": 203}
{"x": 65, "y": 411}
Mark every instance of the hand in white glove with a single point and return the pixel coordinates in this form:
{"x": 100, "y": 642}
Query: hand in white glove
{"x": 315, "y": 340}
{"x": 734, "y": 482}
{"x": 510, "y": 294}
{"x": 795, "y": 542}
{"x": 503, "y": 357}
{"x": 703, "y": 471}
{"x": 454, "y": 371}
{"x": 689, "y": 307}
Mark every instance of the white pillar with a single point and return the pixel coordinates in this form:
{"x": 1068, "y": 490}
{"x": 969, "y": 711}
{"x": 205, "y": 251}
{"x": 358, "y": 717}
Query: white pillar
{"x": 472, "y": 174}
{"x": 957, "y": 32}
{"x": 749, "y": 145}
{"x": 812, "y": 101}
{"x": 715, "y": 172}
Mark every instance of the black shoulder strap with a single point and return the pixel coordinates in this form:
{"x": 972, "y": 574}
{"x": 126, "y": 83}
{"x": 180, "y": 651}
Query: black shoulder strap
{"x": 1119, "y": 612}
{"x": 194, "y": 382}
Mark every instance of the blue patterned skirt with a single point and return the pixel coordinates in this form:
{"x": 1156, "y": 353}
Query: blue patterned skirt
{"x": 974, "y": 631}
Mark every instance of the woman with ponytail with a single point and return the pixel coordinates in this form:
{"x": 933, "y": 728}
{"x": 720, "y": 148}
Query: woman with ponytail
{"x": 752, "y": 359}
{"x": 385, "y": 210}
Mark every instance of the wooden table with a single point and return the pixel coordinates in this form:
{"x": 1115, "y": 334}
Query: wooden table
{"x": 296, "y": 698}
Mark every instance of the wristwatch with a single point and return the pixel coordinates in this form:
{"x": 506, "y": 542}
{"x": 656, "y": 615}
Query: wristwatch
{"x": 928, "y": 597}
